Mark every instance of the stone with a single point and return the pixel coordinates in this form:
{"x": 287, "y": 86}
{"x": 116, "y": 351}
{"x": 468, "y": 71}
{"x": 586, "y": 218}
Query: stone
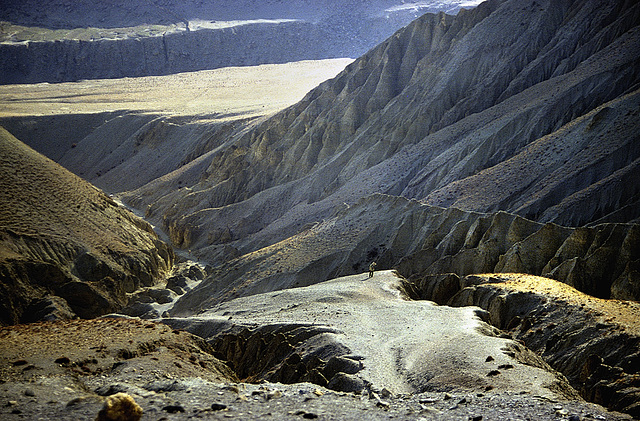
{"x": 48, "y": 308}
{"x": 218, "y": 406}
{"x": 120, "y": 407}
{"x": 340, "y": 364}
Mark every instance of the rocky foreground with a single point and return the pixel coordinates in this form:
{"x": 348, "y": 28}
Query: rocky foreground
{"x": 382, "y": 361}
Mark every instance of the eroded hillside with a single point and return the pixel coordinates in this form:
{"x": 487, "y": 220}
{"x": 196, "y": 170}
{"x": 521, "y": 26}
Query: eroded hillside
{"x": 500, "y": 140}
{"x": 67, "y": 249}
{"x": 535, "y": 122}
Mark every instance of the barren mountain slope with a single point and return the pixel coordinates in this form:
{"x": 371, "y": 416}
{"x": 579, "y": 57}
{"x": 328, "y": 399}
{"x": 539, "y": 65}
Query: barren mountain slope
{"x": 507, "y": 94}
{"x": 421, "y": 240}
{"x": 64, "y": 238}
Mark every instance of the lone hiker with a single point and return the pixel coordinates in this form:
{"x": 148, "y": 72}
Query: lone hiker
{"x": 372, "y": 267}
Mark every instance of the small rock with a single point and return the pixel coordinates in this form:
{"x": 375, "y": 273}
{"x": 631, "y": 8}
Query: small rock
{"x": 475, "y": 418}
{"x": 341, "y": 364}
{"x": 173, "y": 409}
{"x": 493, "y": 373}
{"x": 447, "y": 396}
{"x": 274, "y": 394}
{"x": 385, "y": 393}
{"x": 120, "y": 407}
{"x": 306, "y": 415}
{"x": 574, "y": 417}
{"x": 29, "y": 392}
{"x": 382, "y": 404}
{"x": 216, "y": 406}
{"x": 342, "y": 382}
{"x": 489, "y": 359}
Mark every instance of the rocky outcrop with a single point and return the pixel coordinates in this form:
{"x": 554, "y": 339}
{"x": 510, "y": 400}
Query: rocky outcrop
{"x": 593, "y": 342}
{"x": 62, "y": 237}
{"x": 421, "y": 241}
{"x": 600, "y": 261}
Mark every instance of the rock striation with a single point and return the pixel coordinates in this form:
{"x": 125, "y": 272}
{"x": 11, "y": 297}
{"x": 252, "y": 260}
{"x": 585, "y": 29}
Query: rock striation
{"x": 67, "y": 243}
{"x": 449, "y": 111}
{"x": 423, "y": 241}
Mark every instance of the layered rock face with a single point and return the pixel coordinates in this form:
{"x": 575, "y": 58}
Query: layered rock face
{"x": 503, "y": 107}
{"x": 423, "y": 241}
{"x": 132, "y": 39}
{"x": 67, "y": 249}
{"x": 178, "y": 51}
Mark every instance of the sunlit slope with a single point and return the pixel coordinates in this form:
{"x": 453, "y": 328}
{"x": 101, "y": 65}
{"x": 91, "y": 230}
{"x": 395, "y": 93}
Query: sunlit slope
{"x": 61, "y": 236}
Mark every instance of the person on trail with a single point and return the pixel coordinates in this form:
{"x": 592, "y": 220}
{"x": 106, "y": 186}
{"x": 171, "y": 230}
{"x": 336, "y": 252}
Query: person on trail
{"x": 372, "y": 267}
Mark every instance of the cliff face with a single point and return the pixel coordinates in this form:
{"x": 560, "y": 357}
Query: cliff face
{"x": 85, "y": 40}
{"x": 177, "y": 51}
{"x": 66, "y": 245}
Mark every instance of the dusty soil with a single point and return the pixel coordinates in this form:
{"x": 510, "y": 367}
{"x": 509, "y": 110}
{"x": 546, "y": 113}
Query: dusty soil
{"x": 228, "y": 93}
{"x": 64, "y": 370}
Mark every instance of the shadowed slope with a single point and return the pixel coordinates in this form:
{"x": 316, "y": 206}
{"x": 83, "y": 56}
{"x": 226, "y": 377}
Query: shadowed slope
{"x": 62, "y": 236}
{"x": 503, "y": 107}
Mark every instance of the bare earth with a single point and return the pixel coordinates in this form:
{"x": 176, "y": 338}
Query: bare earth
{"x": 230, "y": 92}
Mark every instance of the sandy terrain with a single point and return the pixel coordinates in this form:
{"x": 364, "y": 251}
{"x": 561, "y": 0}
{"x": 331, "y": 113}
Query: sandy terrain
{"x": 231, "y": 92}
{"x": 623, "y": 313}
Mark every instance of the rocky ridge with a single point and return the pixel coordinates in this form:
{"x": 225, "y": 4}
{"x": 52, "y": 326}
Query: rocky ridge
{"x": 594, "y": 342}
{"x": 421, "y": 240}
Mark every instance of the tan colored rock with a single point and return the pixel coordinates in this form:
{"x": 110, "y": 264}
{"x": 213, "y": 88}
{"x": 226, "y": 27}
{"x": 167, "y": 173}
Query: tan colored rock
{"x": 120, "y": 407}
